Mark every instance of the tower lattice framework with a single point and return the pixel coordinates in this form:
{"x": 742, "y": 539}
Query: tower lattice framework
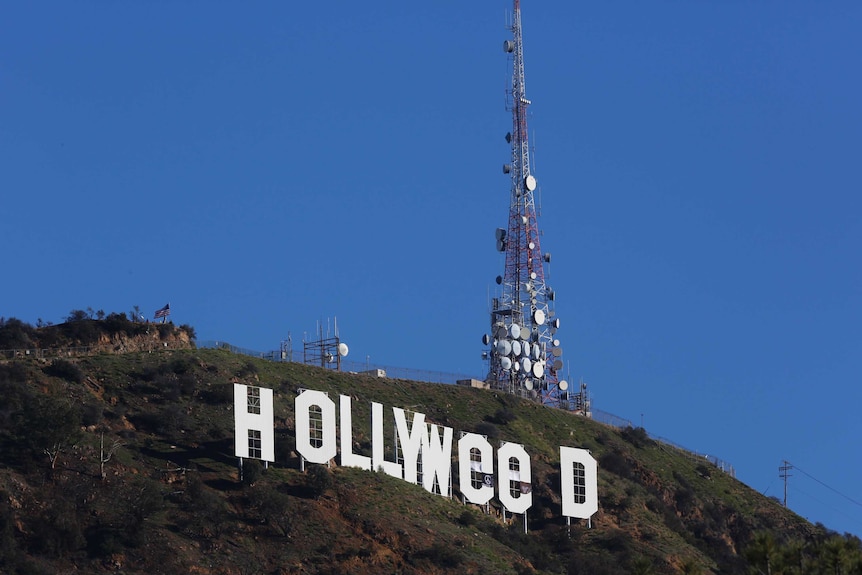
{"x": 525, "y": 357}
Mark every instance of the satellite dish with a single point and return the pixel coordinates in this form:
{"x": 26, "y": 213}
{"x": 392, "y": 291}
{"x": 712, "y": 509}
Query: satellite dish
{"x": 564, "y": 385}
{"x": 515, "y": 366}
{"x": 516, "y": 347}
{"x": 486, "y": 339}
{"x": 530, "y": 183}
{"x": 539, "y": 317}
{"x": 538, "y": 369}
{"x": 556, "y": 323}
{"x": 525, "y": 349}
{"x": 558, "y": 364}
{"x": 547, "y": 257}
{"x": 330, "y": 357}
{"x": 501, "y": 246}
{"x": 499, "y": 280}
{"x": 505, "y": 363}
{"x": 508, "y": 46}
{"x": 515, "y": 331}
{"x": 501, "y": 332}
{"x": 507, "y": 168}
{"x": 504, "y": 347}
{"x": 556, "y": 343}
{"x": 537, "y": 351}
{"x": 343, "y": 349}
{"x": 528, "y": 384}
{"x": 533, "y": 394}
{"x": 557, "y": 351}
{"x": 551, "y": 295}
{"x": 526, "y": 364}
{"x": 500, "y": 234}
{"x": 533, "y": 275}
{"x": 531, "y": 245}
{"x": 524, "y": 220}
{"x": 525, "y": 334}
{"x": 508, "y": 137}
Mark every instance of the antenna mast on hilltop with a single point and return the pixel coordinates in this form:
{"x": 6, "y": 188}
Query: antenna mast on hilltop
{"x": 524, "y": 356}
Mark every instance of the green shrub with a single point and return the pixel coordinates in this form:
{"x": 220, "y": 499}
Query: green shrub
{"x": 8, "y": 544}
{"x": 487, "y": 429}
{"x": 65, "y": 370}
{"x": 685, "y": 500}
{"x": 319, "y": 480}
{"x": 502, "y": 416}
{"x": 58, "y": 528}
{"x": 35, "y": 435}
{"x": 166, "y": 330}
{"x": 104, "y": 540}
{"x": 190, "y": 331}
{"x": 168, "y": 421}
{"x": 252, "y": 471}
{"x": 467, "y": 518}
{"x": 91, "y": 413}
{"x": 187, "y": 384}
{"x": 181, "y": 365}
{"x": 637, "y": 436}
{"x": 218, "y": 394}
{"x": 16, "y": 334}
{"x": 443, "y": 555}
{"x": 80, "y": 329}
{"x": 273, "y": 508}
{"x": 250, "y": 368}
{"x": 615, "y": 462}
{"x": 77, "y": 315}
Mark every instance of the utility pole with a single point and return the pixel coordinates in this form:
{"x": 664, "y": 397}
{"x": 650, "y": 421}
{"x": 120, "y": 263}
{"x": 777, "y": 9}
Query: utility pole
{"x": 783, "y": 474}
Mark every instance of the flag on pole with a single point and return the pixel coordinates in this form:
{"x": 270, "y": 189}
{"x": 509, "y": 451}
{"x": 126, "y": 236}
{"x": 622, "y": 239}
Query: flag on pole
{"x": 163, "y": 312}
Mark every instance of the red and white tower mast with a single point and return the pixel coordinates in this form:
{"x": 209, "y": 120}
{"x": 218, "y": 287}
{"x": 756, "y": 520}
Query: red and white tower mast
{"x": 525, "y": 354}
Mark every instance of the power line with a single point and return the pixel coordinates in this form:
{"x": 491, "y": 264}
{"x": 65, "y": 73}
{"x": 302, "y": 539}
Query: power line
{"x": 847, "y": 497}
{"x": 767, "y": 487}
{"x": 831, "y": 508}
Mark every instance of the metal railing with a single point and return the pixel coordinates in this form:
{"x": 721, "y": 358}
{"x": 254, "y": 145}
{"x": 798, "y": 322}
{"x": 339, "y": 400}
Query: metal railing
{"x": 413, "y": 374}
{"x": 55, "y": 352}
{"x": 427, "y": 376}
{"x": 610, "y": 419}
{"x": 615, "y": 421}
{"x": 44, "y": 353}
{"x": 697, "y": 456}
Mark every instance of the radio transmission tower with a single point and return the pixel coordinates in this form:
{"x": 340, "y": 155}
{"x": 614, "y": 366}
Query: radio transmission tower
{"x": 524, "y": 355}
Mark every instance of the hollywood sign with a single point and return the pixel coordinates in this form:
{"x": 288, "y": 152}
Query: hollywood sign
{"x": 416, "y": 441}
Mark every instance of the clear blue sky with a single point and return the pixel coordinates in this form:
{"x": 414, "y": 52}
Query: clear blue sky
{"x": 267, "y": 166}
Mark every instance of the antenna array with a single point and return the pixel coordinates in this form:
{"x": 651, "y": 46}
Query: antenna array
{"x": 524, "y": 355}
{"x": 326, "y": 351}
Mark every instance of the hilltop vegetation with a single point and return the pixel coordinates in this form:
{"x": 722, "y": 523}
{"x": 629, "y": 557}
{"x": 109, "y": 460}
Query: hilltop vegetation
{"x": 123, "y": 462}
{"x": 91, "y": 329}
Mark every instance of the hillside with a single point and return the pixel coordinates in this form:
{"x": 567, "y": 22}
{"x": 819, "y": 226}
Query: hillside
{"x": 122, "y": 461}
